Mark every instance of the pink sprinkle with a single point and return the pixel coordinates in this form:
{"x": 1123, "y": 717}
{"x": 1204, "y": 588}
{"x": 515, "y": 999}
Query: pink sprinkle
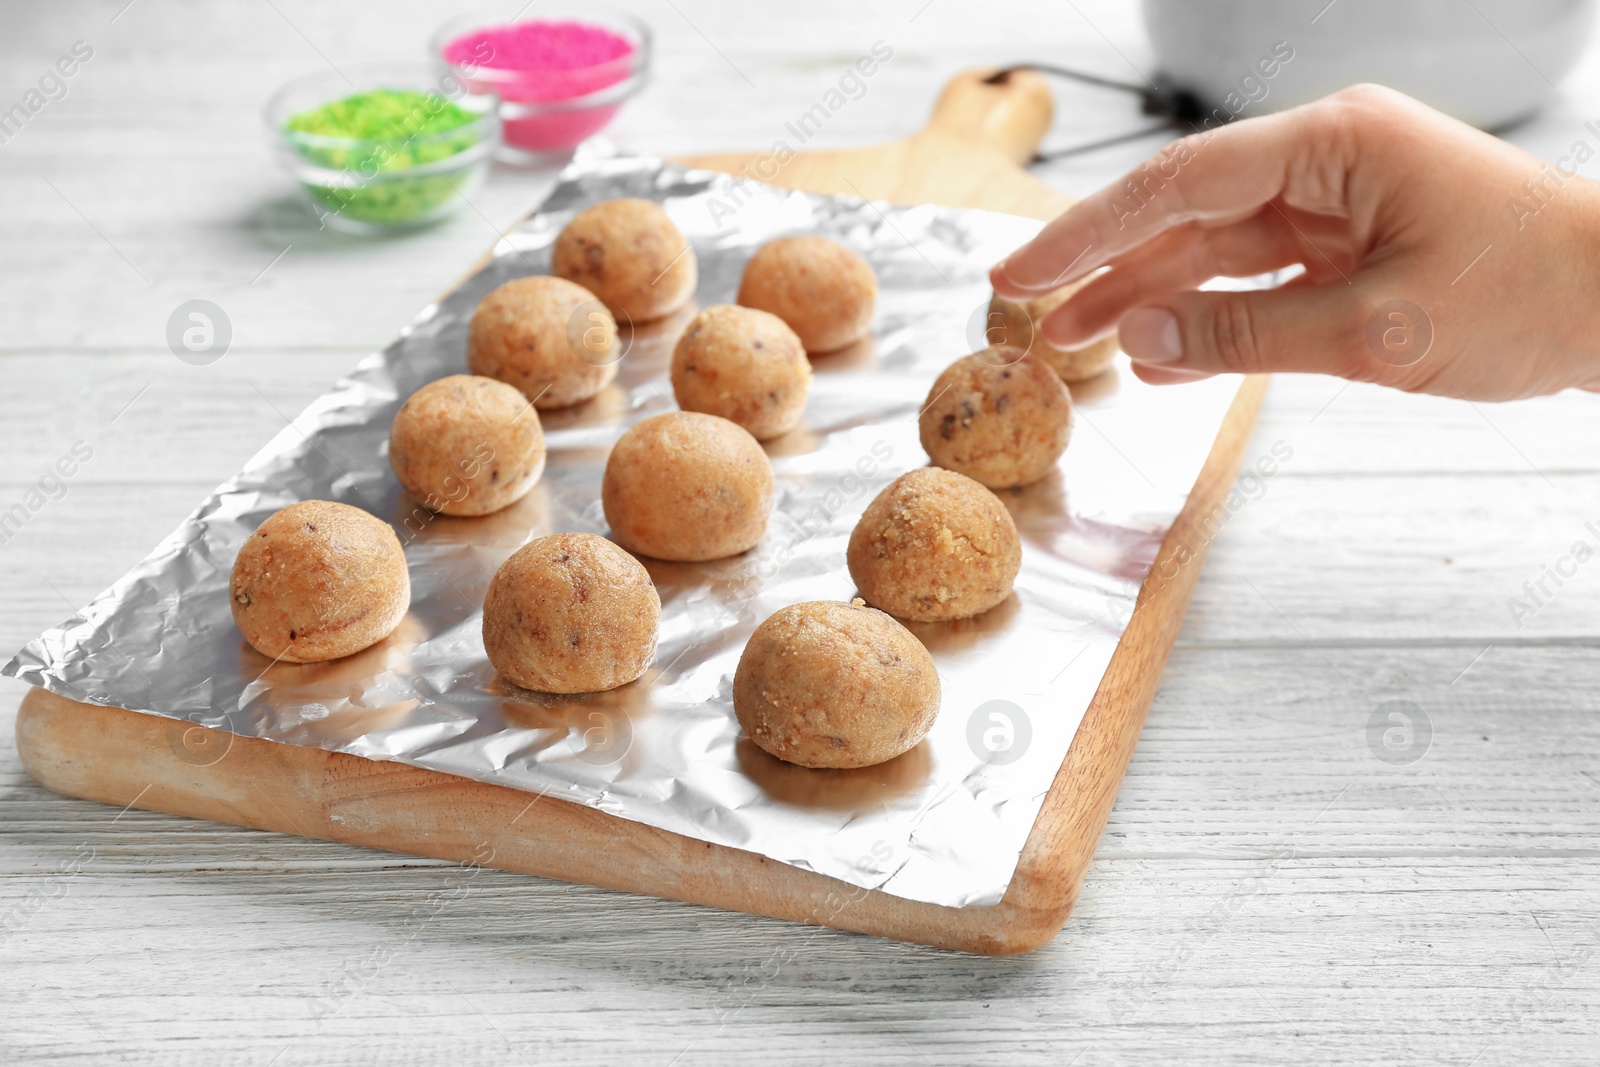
{"x": 538, "y": 47}
{"x": 540, "y": 63}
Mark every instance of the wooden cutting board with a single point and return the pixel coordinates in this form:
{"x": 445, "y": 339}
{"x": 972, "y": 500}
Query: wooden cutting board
{"x": 969, "y": 155}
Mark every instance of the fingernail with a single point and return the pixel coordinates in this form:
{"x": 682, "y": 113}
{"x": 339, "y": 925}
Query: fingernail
{"x": 1150, "y": 335}
{"x": 1054, "y": 333}
{"x": 1059, "y": 329}
{"x": 1007, "y": 272}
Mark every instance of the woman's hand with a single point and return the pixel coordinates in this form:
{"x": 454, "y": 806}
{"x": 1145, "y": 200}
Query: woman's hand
{"x": 1437, "y": 258}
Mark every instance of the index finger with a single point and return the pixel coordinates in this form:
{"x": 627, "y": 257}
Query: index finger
{"x": 1213, "y": 178}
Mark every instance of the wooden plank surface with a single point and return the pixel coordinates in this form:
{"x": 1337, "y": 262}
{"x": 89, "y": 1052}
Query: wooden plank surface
{"x": 1436, "y": 912}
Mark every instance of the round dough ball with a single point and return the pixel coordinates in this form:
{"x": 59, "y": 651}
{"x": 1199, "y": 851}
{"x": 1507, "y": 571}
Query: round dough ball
{"x": 466, "y": 445}
{"x": 826, "y": 684}
{"x": 630, "y": 255}
{"x": 824, "y": 291}
{"x": 744, "y": 365}
{"x": 998, "y": 417}
{"x": 934, "y": 546}
{"x": 548, "y": 337}
{"x": 1017, "y": 325}
{"x": 317, "y": 581}
{"x": 686, "y": 486}
{"x": 571, "y": 613}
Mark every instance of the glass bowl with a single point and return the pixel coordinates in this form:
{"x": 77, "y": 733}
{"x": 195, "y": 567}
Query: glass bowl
{"x": 547, "y": 111}
{"x": 384, "y": 184}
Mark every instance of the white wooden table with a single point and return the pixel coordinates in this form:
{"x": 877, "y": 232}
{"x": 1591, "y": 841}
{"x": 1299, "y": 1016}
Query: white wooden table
{"x": 1268, "y": 888}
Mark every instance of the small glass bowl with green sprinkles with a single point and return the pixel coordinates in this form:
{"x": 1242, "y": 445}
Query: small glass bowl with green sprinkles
{"x": 408, "y": 149}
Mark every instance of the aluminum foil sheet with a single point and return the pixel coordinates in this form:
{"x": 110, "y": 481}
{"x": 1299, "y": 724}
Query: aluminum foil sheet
{"x": 945, "y": 823}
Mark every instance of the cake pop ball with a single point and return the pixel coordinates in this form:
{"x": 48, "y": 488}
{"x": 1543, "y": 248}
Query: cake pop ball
{"x": 826, "y": 684}
{"x": 746, "y": 366}
{"x": 571, "y": 613}
{"x": 687, "y": 486}
{"x": 997, "y": 416}
{"x": 630, "y": 255}
{"x": 823, "y": 290}
{"x": 548, "y": 337}
{"x": 934, "y": 546}
{"x": 467, "y": 445}
{"x": 319, "y": 580}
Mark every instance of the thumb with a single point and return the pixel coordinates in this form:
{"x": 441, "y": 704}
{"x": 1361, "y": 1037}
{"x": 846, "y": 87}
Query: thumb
{"x": 1318, "y": 329}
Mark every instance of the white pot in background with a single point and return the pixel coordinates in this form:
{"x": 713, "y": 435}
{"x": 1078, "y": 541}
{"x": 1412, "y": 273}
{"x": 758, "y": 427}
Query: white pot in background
{"x": 1487, "y": 62}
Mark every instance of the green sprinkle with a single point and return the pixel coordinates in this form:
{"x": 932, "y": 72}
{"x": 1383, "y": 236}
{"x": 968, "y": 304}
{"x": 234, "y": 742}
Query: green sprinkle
{"x": 383, "y": 114}
{"x": 400, "y": 129}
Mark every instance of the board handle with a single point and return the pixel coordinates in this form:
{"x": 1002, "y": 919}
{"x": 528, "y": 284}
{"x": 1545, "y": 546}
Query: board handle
{"x": 1010, "y": 110}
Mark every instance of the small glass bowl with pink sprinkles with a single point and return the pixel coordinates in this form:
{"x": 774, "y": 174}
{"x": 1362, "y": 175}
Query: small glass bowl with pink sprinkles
{"x": 561, "y": 73}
